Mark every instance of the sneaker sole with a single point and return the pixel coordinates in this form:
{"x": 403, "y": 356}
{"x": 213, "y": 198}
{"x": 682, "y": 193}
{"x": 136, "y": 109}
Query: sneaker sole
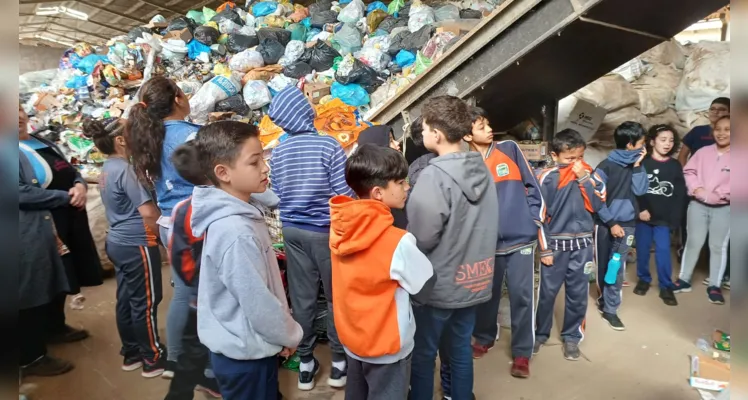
{"x": 167, "y": 374}
{"x": 570, "y": 358}
{"x": 132, "y": 367}
{"x": 717, "y": 302}
{"x": 306, "y": 386}
{"x": 615, "y": 328}
{"x": 520, "y": 376}
{"x": 684, "y": 290}
{"x": 479, "y": 356}
{"x": 208, "y": 392}
{"x": 337, "y": 383}
{"x": 152, "y": 374}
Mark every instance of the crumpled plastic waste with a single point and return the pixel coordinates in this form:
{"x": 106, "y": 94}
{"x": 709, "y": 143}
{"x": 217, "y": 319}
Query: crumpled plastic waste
{"x": 280, "y": 82}
{"x": 422, "y": 63}
{"x": 196, "y": 16}
{"x": 206, "y": 35}
{"x": 226, "y": 6}
{"x": 281, "y": 35}
{"x": 271, "y": 50}
{"x": 420, "y": 15}
{"x": 352, "y": 12}
{"x": 264, "y": 8}
{"x": 438, "y": 44}
{"x": 238, "y": 42}
{"x": 208, "y": 14}
{"x": 374, "y": 19}
{"x": 351, "y": 94}
{"x": 256, "y": 94}
{"x": 294, "y": 51}
{"x": 447, "y": 12}
{"x": 246, "y": 60}
{"x": 347, "y": 39}
{"x": 337, "y": 119}
{"x": 373, "y": 57}
{"x": 195, "y": 48}
{"x": 405, "y": 58}
{"x": 217, "y": 89}
{"x": 83, "y": 49}
{"x": 297, "y": 70}
{"x": 227, "y": 26}
{"x": 235, "y": 104}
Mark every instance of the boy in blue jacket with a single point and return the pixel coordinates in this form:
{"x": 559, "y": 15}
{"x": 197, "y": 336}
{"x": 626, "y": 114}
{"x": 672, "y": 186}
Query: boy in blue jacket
{"x": 521, "y": 216}
{"x": 615, "y": 222}
{"x": 573, "y": 193}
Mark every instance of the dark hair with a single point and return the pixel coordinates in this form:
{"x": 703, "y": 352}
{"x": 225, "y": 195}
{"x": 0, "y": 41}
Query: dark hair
{"x": 185, "y": 162}
{"x": 220, "y": 143}
{"x": 567, "y": 139}
{"x": 103, "y": 133}
{"x": 725, "y": 101}
{"x": 477, "y": 113}
{"x": 655, "y": 131}
{"x": 145, "y": 127}
{"x": 628, "y": 132}
{"x": 450, "y": 115}
{"x": 372, "y": 166}
{"x": 416, "y": 131}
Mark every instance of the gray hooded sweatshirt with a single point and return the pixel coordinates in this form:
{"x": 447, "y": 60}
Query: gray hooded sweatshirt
{"x": 242, "y": 309}
{"x": 453, "y": 213}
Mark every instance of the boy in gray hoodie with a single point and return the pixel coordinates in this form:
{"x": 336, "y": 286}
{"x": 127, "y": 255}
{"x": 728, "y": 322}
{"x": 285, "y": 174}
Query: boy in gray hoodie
{"x": 243, "y": 316}
{"x": 453, "y": 213}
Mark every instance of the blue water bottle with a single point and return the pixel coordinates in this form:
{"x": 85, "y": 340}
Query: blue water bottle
{"x": 613, "y": 266}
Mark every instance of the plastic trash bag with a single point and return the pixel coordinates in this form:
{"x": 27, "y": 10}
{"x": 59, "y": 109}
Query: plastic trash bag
{"x": 353, "y": 12}
{"x": 217, "y": 89}
{"x": 281, "y": 35}
{"x": 196, "y": 16}
{"x": 247, "y": 30}
{"x": 378, "y": 42}
{"x": 405, "y": 58}
{"x": 226, "y": 6}
{"x": 347, "y": 39}
{"x": 297, "y": 70}
{"x": 294, "y": 51}
{"x": 218, "y": 49}
{"x": 471, "y": 14}
{"x": 177, "y": 24}
{"x": 373, "y": 57}
{"x": 264, "y": 8}
{"x": 280, "y": 82}
{"x": 88, "y": 63}
{"x": 221, "y": 69}
{"x": 377, "y": 5}
{"x": 256, "y": 94}
{"x": 300, "y": 12}
{"x": 374, "y": 19}
{"x": 228, "y": 14}
{"x": 223, "y": 39}
{"x": 351, "y": 70}
{"x": 235, "y": 104}
{"x": 420, "y": 15}
{"x": 351, "y": 94}
{"x": 323, "y": 17}
{"x": 238, "y": 42}
{"x": 228, "y": 27}
{"x": 157, "y": 19}
{"x": 137, "y": 33}
{"x": 438, "y": 44}
{"x": 206, "y": 35}
{"x": 320, "y": 57}
{"x": 447, "y": 12}
{"x": 243, "y": 15}
{"x": 390, "y": 23}
{"x": 395, "y": 6}
{"x": 271, "y": 50}
{"x": 422, "y": 63}
{"x": 208, "y": 14}
{"x": 189, "y": 87}
{"x": 246, "y": 60}
{"x": 320, "y": 5}
{"x": 416, "y": 40}
{"x": 298, "y": 31}
{"x": 274, "y": 21}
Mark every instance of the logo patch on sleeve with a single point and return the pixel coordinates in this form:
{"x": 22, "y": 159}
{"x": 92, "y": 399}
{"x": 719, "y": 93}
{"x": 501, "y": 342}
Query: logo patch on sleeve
{"x": 502, "y": 169}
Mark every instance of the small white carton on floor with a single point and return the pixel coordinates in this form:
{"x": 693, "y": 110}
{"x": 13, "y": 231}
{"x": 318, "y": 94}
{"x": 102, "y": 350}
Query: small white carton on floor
{"x": 709, "y": 374}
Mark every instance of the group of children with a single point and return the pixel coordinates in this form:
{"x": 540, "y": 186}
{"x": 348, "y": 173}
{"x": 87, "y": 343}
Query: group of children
{"x": 397, "y": 297}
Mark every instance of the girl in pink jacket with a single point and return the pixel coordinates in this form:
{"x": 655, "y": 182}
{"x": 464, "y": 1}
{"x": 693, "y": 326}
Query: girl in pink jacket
{"x": 707, "y": 176}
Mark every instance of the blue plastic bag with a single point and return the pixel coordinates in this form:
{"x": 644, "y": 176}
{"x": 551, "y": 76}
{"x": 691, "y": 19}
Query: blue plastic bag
{"x": 88, "y": 63}
{"x": 307, "y": 22}
{"x": 405, "y": 58}
{"x": 76, "y": 81}
{"x": 345, "y": 1}
{"x": 312, "y": 33}
{"x": 195, "y": 48}
{"x": 264, "y": 8}
{"x": 377, "y": 5}
{"x": 352, "y": 94}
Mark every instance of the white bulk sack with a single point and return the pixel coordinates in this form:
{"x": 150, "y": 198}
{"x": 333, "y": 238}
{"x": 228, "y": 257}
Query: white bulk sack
{"x": 706, "y": 76}
{"x": 611, "y": 92}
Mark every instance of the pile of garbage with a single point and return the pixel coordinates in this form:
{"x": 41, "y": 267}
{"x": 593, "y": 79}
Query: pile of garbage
{"x": 348, "y": 57}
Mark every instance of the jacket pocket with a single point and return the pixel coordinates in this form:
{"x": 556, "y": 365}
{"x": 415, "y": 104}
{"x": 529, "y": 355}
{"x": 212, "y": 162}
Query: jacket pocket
{"x": 622, "y": 210}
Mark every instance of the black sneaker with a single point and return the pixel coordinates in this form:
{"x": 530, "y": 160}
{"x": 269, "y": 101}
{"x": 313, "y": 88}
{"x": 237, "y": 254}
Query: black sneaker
{"x": 571, "y": 351}
{"x": 641, "y": 288}
{"x": 668, "y": 297}
{"x": 153, "y": 369}
{"x": 47, "y": 366}
{"x": 600, "y": 305}
{"x": 715, "y": 295}
{"x": 681, "y": 286}
{"x": 210, "y": 388}
{"x": 171, "y": 366}
{"x": 447, "y": 397}
{"x": 614, "y": 321}
{"x": 68, "y": 335}
{"x": 536, "y": 347}
{"x": 306, "y": 379}
{"x": 132, "y": 363}
{"x": 337, "y": 378}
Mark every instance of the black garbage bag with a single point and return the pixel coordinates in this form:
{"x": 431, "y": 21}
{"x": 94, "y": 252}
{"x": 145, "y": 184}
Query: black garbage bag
{"x": 321, "y": 18}
{"x": 271, "y": 50}
{"x": 410, "y": 41}
{"x": 137, "y": 32}
{"x": 228, "y": 14}
{"x": 177, "y": 24}
{"x": 320, "y": 57}
{"x": 297, "y": 70}
{"x": 471, "y": 14}
{"x": 279, "y": 34}
{"x": 238, "y": 42}
{"x": 363, "y": 75}
{"x": 206, "y": 35}
{"x": 404, "y": 11}
{"x": 218, "y": 50}
{"x": 235, "y": 104}
{"x": 391, "y": 23}
{"x": 320, "y": 5}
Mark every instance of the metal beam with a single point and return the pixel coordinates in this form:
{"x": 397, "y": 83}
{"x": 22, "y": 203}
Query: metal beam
{"x": 161, "y": 7}
{"x": 71, "y": 29}
{"x": 41, "y": 2}
{"x": 119, "y": 14}
{"x": 90, "y": 21}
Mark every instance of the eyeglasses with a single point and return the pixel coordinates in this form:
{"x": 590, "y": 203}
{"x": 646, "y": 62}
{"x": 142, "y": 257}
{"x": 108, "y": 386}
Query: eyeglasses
{"x": 717, "y": 110}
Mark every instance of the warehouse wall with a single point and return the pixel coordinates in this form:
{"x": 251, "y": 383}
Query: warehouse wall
{"x": 32, "y": 58}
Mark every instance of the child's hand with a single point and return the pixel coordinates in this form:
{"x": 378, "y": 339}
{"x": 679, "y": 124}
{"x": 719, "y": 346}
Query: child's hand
{"x": 579, "y": 170}
{"x": 641, "y": 158}
{"x": 617, "y": 231}
{"x": 699, "y": 194}
{"x": 286, "y": 352}
{"x": 547, "y": 261}
{"x": 644, "y": 216}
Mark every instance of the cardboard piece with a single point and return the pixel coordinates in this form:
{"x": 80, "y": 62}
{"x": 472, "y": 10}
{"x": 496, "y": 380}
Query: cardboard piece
{"x": 46, "y": 102}
{"x": 182, "y": 34}
{"x": 709, "y": 374}
{"x": 220, "y": 116}
{"x": 584, "y": 117}
{"x": 534, "y": 151}
{"x": 315, "y": 91}
{"x": 157, "y": 25}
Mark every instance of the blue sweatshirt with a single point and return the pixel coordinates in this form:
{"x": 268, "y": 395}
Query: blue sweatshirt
{"x": 306, "y": 170}
{"x": 170, "y": 187}
{"x": 623, "y": 182}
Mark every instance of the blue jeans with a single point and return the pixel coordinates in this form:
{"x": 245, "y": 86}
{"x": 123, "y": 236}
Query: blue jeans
{"x": 246, "y": 379}
{"x": 179, "y": 310}
{"x": 432, "y": 323}
{"x": 645, "y": 235}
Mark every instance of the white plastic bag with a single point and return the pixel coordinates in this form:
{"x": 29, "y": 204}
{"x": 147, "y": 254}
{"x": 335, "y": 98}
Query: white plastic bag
{"x": 378, "y": 42}
{"x": 447, "y": 12}
{"x": 246, "y": 60}
{"x": 174, "y": 49}
{"x": 373, "y": 57}
{"x": 420, "y": 16}
{"x": 294, "y": 50}
{"x": 348, "y": 38}
{"x": 247, "y": 30}
{"x": 280, "y": 82}
{"x": 228, "y": 27}
{"x": 353, "y": 12}
{"x": 215, "y": 90}
{"x": 189, "y": 87}
{"x": 256, "y": 94}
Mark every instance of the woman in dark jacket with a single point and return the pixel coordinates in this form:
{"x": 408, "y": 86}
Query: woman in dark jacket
{"x": 52, "y": 200}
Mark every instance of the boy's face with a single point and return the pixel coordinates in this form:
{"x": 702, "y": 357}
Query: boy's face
{"x": 568, "y": 156}
{"x": 482, "y": 134}
{"x": 431, "y": 137}
{"x": 717, "y": 111}
{"x": 722, "y": 133}
{"x": 636, "y": 146}
{"x": 249, "y": 172}
{"x": 394, "y": 195}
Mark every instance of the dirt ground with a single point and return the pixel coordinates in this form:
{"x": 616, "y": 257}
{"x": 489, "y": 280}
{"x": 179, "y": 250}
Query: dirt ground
{"x": 647, "y": 361}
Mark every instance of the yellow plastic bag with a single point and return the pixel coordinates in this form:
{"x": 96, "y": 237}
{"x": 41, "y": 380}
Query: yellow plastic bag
{"x": 275, "y": 21}
{"x": 212, "y": 24}
{"x": 221, "y": 69}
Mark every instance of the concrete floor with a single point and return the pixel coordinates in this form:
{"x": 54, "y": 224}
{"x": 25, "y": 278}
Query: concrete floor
{"x": 647, "y": 361}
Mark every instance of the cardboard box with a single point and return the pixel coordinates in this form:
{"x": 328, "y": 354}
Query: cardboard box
{"x": 315, "y": 91}
{"x": 183, "y": 34}
{"x": 454, "y": 28}
{"x": 709, "y": 374}
{"x": 157, "y": 25}
{"x": 582, "y": 116}
{"x": 534, "y": 151}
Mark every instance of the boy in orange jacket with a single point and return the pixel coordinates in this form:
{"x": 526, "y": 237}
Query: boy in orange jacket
{"x": 376, "y": 268}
